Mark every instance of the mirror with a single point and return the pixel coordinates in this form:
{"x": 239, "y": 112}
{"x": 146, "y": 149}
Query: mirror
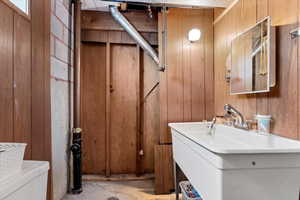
{"x": 21, "y": 4}
{"x": 250, "y": 60}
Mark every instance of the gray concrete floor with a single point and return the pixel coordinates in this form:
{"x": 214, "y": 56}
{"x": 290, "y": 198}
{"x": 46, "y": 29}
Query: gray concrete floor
{"x": 110, "y": 190}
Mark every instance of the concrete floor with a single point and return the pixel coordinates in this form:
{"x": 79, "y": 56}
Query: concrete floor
{"x": 109, "y": 190}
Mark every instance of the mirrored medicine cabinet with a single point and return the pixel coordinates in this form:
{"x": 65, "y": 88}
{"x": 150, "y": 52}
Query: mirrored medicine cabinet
{"x": 252, "y": 68}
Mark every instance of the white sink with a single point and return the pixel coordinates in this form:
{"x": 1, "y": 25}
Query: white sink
{"x": 234, "y": 164}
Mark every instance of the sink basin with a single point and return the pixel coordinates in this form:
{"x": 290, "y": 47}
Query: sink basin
{"x": 235, "y": 164}
{"x": 229, "y": 140}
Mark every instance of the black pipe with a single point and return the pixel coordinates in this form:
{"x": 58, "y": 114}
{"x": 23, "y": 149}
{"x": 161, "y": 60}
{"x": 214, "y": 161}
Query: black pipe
{"x": 76, "y": 150}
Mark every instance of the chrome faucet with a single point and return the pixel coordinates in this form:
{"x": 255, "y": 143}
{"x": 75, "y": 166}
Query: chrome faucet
{"x": 239, "y": 120}
{"x": 212, "y": 125}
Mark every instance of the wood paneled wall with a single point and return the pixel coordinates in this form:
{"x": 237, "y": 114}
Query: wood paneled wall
{"x": 25, "y": 79}
{"x": 120, "y": 117}
{"x": 187, "y": 85}
{"x": 283, "y": 100}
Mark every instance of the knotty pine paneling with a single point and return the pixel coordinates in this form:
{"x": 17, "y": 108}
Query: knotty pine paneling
{"x": 186, "y": 87}
{"x": 282, "y": 101}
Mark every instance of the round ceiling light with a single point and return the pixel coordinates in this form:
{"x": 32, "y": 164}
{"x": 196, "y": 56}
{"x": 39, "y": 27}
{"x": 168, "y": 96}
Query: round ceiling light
{"x": 194, "y": 35}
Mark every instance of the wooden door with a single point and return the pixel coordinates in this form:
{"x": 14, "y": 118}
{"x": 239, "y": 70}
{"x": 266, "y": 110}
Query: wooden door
{"x": 123, "y": 106}
{"x": 109, "y": 120}
{"x": 94, "y": 107}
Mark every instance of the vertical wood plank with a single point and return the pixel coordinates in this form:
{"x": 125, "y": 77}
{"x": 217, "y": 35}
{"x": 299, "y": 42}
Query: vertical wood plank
{"x": 6, "y": 73}
{"x": 139, "y": 112}
{"x": 163, "y": 86}
{"x": 175, "y": 70}
{"x": 229, "y": 33}
{"x": 94, "y": 108}
{"x": 219, "y": 66}
{"x": 164, "y": 181}
{"x": 22, "y": 82}
{"x": 209, "y": 65}
{"x": 198, "y": 62}
{"x": 172, "y": 85}
{"x": 107, "y": 111}
{"x": 123, "y": 109}
{"x": 47, "y": 95}
{"x": 38, "y": 84}
{"x": 187, "y": 66}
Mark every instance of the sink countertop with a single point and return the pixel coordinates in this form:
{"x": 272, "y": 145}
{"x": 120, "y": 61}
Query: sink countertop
{"x": 230, "y": 140}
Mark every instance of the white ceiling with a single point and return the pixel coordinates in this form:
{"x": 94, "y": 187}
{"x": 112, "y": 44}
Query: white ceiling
{"x": 95, "y": 5}
{"x": 102, "y": 5}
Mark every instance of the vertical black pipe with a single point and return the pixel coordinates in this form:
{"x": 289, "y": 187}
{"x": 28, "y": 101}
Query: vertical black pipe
{"x": 76, "y": 146}
{"x": 76, "y": 150}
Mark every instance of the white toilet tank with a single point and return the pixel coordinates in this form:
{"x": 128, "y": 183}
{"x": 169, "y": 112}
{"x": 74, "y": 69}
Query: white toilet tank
{"x": 29, "y": 184}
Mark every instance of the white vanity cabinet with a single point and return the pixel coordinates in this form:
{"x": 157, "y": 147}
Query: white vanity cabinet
{"x": 233, "y": 164}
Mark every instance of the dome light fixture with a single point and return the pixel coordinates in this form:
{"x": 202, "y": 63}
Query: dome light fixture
{"x": 194, "y": 35}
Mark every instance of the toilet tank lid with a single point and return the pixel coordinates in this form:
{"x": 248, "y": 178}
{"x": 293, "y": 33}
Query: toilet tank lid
{"x": 30, "y": 170}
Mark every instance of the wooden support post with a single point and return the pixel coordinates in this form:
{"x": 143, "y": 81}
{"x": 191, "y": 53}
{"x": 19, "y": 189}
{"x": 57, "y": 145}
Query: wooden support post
{"x": 142, "y": 108}
{"x": 107, "y": 110}
{"x": 139, "y": 117}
